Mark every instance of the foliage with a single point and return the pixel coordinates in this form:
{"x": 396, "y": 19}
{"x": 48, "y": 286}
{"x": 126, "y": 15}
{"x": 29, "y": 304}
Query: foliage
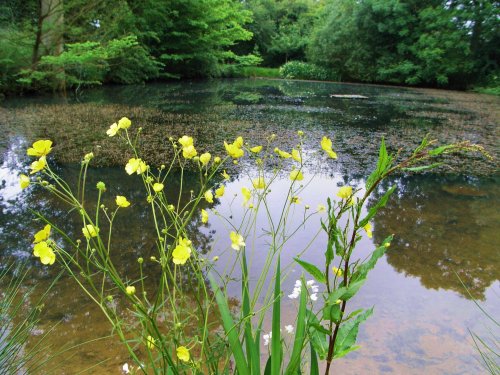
{"x": 15, "y": 52}
{"x": 92, "y": 63}
{"x": 193, "y": 343}
{"x": 257, "y": 71}
{"x": 302, "y": 70}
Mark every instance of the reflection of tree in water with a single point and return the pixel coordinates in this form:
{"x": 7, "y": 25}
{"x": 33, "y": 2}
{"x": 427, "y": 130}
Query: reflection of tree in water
{"x": 443, "y": 226}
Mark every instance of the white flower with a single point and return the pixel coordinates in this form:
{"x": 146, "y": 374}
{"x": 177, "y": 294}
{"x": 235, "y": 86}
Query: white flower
{"x": 289, "y": 328}
{"x": 267, "y": 338}
{"x": 125, "y": 369}
{"x": 314, "y": 288}
{"x": 310, "y": 282}
{"x": 314, "y": 297}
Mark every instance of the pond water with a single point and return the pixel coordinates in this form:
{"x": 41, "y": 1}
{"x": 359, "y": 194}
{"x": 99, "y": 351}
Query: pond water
{"x": 445, "y": 224}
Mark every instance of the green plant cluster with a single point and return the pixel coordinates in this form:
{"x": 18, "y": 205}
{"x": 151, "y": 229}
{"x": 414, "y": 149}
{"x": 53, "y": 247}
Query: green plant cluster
{"x": 303, "y": 70}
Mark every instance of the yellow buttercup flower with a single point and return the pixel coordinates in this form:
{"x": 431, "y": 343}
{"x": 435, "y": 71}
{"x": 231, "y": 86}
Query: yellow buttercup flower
{"x": 282, "y": 154}
{"x": 256, "y": 149}
{"x": 183, "y": 241}
{"x": 130, "y": 290}
{"x": 45, "y": 253}
{"x": 88, "y": 157}
{"x": 43, "y": 234}
{"x": 38, "y": 165}
{"x": 259, "y": 183}
{"x": 90, "y": 231}
{"x": 124, "y": 123}
{"x": 181, "y": 253}
{"x": 204, "y": 216}
{"x": 186, "y": 141}
{"x": 183, "y": 353}
{"x": 233, "y": 150}
{"x": 321, "y": 208}
{"x": 135, "y": 166}
{"x": 113, "y": 129}
{"x": 150, "y": 342}
{"x": 40, "y": 148}
{"x": 368, "y": 230}
{"x": 220, "y": 191}
{"x": 296, "y": 155}
{"x": 296, "y": 175}
{"x": 189, "y": 152}
{"x": 238, "y": 142}
{"x": 24, "y": 181}
{"x": 326, "y": 145}
{"x": 337, "y": 271}
{"x": 237, "y": 240}
{"x": 205, "y": 158}
{"x": 122, "y": 201}
{"x": 209, "y": 197}
{"x": 217, "y": 160}
{"x": 296, "y": 200}
{"x": 247, "y": 194}
{"x": 345, "y": 192}
{"x": 225, "y": 175}
{"x": 157, "y": 187}
{"x": 387, "y": 244}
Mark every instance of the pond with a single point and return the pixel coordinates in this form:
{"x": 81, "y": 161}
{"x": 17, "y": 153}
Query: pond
{"x": 445, "y": 223}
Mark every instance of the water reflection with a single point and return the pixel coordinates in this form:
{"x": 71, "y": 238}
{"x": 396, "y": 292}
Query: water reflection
{"x": 445, "y": 226}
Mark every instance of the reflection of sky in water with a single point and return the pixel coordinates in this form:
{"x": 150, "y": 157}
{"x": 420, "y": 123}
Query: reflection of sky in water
{"x": 442, "y": 224}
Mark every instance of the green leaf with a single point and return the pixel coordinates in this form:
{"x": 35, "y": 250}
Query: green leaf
{"x": 345, "y": 293}
{"x": 318, "y": 339}
{"x": 300, "y": 333}
{"x": 313, "y": 270}
{"x": 230, "y": 328}
{"x": 332, "y": 312}
{"x": 347, "y": 334}
{"x": 267, "y": 369}
{"x": 314, "y": 362}
{"x": 362, "y": 270}
{"x": 383, "y": 164}
{"x": 252, "y": 347}
{"x": 380, "y": 204}
{"x": 439, "y": 150}
{"x": 422, "y": 168}
{"x": 276, "y": 323}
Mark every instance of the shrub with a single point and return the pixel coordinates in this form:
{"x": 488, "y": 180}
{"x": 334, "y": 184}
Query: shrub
{"x": 303, "y": 70}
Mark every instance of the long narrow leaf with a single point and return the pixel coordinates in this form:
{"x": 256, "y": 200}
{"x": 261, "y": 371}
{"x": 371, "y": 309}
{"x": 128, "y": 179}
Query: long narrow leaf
{"x": 276, "y": 338}
{"x": 300, "y": 334}
{"x": 252, "y": 347}
{"x": 229, "y": 328}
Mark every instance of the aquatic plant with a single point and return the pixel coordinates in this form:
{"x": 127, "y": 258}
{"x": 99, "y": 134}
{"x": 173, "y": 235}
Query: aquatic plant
{"x": 206, "y": 333}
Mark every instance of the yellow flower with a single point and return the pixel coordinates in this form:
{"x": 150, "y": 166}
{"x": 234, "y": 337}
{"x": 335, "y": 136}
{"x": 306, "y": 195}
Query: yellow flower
{"x": 184, "y": 242}
{"x": 247, "y": 194}
{"x": 150, "y": 342}
{"x": 387, "y": 244}
{"x": 158, "y": 187}
{"x": 217, "y": 160}
{"x": 38, "y": 165}
{"x": 368, "y": 230}
{"x": 43, "y": 234}
{"x": 130, "y": 290}
{"x": 189, "y": 152}
{"x": 135, "y": 166}
{"x": 88, "y": 157}
{"x": 204, "y": 216}
{"x": 296, "y": 155}
{"x": 256, "y": 149}
{"x": 326, "y": 145}
{"x": 282, "y": 154}
{"x": 181, "y": 253}
{"x": 24, "y": 181}
{"x": 186, "y": 141}
{"x": 209, "y": 197}
{"x": 113, "y": 129}
{"x": 344, "y": 192}
{"x": 321, "y": 208}
{"x": 337, "y": 271}
{"x": 121, "y": 201}
{"x": 40, "y": 148}
{"x": 45, "y": 253}
{"x": 296, "y": 200}
{"x": 259, "y": 183}
{"x": 233, "y": 150}
{"x": 220, "y": 191}
{"x": 225, "y": 175}
{"x": 236, "y": 240}
{"x": 183, "y": 353}
{"x": 90, "y": 231}
{"x": 124, "y": 123}
{"x": 296, "y": 175}
{"x": 238, "y": 142}
{"x": 205, "y": 158}
{"x": 300, "y": 133}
